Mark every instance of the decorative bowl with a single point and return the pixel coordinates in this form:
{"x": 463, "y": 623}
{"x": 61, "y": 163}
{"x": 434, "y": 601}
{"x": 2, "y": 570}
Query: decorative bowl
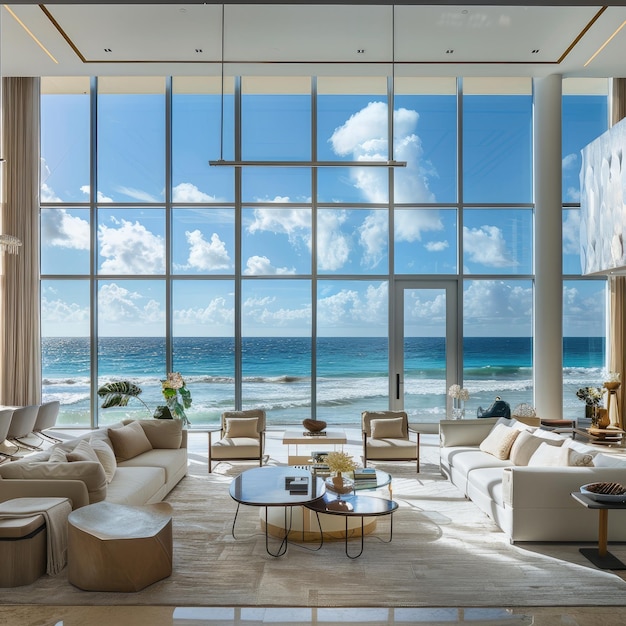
{"x": 339, "y": 484}
{"x": 587, "y": 490}
{"x": 314, "y": 426}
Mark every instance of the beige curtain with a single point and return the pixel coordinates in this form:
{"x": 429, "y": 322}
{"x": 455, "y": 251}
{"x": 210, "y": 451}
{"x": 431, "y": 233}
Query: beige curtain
{"x": 20, "y": 341}
{"x": 617, "y": 284}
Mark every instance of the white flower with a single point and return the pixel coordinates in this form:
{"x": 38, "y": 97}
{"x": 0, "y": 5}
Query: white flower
{"x": 454, "y": 391}
{"x": 464, "y": 395}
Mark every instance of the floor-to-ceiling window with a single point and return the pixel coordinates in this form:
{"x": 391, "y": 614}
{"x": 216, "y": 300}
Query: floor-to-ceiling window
{"x": 277, "y": 286}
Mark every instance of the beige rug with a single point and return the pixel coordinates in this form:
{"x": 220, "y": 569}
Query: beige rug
{"x": 444, "y": 552}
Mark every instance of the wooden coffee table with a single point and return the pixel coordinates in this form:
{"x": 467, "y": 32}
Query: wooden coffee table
{"x": 332, "y": 438}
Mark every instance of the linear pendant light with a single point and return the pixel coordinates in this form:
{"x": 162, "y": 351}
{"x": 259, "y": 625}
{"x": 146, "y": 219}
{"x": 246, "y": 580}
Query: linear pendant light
{"x": 221, "y": 162}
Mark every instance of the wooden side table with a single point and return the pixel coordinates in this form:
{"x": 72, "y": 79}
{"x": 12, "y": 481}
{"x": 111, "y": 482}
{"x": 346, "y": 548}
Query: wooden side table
{"x": 600, "y": 556}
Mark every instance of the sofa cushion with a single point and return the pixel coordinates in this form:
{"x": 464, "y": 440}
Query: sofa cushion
{"x": 389, "y": 428}
{"x": 82, "y": 452}
{"x": 129, "y": 441}
{"x": 170, "y": 460}
{"x": 242, "y": 427}
{"x": 499, "y": 441}
{"x": 605, "y": 460}
{"x": 137, "y": 485}
{"x": 57, "y": 456}
{"x": 466, "y": 460}
{"x": 106, "y": 456}
{"x": 163, "y": 433}
{"x": 526, "y": 444}
{"x": 89, "y": 472}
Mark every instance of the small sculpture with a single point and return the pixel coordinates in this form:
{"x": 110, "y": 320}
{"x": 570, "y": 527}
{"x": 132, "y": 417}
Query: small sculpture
{"x": 314, "y": 426}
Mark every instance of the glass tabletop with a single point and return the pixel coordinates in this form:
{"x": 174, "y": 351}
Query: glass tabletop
{"x": 352, "y": 504}
{"x": 276, "y": 486}
{"x": 381, "y": 479}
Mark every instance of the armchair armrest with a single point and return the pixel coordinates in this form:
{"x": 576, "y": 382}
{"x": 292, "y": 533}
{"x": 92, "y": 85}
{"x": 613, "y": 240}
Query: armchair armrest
{"x": 75, "y": 490}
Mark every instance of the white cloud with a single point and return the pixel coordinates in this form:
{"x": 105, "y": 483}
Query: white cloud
{"x": 332, "y": 244}
{"x": 571, "y": 232}
{"x": 364, "y": 137}
{"x": 118, "y": 305}
{"x": 570, "y": 161}
{"x": 206, "y": 255}
{"x": 260, "y": 313}
{"x": 374, "y": 235}
{"x": 48, "y": 194}
{"x": 350, "y": 308}
{"x": 261, "y": 265}
{"x": 67, "y": 313}
{"x": 572, "y": 194}
{"x": 410, "y": 224}
{"x": 486, "y": 246}
{"x": 100, "y": 196}
{"x": 436, "y": 246}
{"x": 216, "y": 313}
{"x": 131, "y": 249}
{"x": 492, "y": 307}
{"x": 294, "y": 222}
{"x": 138, "y": 194}
{"x": 59, "y": 228}
{"x": 187, "y": 192}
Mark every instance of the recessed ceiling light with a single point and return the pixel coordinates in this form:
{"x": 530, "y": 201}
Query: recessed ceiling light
{"x": 449, "y": 51}
{"x": 198, "y": 50}
{"x": 535, "y": 51}
{"x": 464, "y": 11}
{"x": 361, "y": 51}
{"x": 108, "y": 50}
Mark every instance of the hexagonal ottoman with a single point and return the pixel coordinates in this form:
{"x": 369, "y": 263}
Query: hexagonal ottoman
{"x": 116, "y": 547}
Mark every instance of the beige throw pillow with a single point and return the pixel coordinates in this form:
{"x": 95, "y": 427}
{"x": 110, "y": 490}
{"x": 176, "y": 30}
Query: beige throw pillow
{"x": 166, "y": 433}
{"x": 82, "y": 452}
{"x": 129, "y": 441}
{"x": 106, "y": 457}
{"x": 389, "y": 428}
{"x": 242, "y": 427}
{"x": 499, "y": 441}
{"x": 526, "y": 445}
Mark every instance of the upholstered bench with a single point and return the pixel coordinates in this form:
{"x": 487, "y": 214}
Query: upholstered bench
{"x": 116, "y": 547}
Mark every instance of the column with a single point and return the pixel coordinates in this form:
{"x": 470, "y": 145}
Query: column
{"x": 548, "y": 319}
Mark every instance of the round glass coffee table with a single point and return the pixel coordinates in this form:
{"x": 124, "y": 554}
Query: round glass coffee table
{"x": 353, "y": 506}
{"x": 275, "y": 488}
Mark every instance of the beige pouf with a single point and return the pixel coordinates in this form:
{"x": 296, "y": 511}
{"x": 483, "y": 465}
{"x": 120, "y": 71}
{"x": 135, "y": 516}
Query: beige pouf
{"x": 115, "y": 547}
{"x": 22, "y": 550}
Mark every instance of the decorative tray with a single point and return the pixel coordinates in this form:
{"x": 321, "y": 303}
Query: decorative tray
{"x": 594, "y": 491}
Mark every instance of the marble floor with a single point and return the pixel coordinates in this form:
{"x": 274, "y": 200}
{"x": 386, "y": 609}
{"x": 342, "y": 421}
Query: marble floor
{"x": 50, "y": 615}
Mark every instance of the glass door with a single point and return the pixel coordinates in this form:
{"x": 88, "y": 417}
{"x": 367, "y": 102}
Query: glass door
{"x": 426, "y": 349}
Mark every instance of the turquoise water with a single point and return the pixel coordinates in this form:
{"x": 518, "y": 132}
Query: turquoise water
{"x": 352, "y": 374}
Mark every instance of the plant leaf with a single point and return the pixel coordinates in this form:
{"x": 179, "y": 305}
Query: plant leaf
{"x": 118, "y": 393}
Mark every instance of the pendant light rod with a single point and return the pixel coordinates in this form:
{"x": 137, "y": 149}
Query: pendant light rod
{"x": 222, "y": 91}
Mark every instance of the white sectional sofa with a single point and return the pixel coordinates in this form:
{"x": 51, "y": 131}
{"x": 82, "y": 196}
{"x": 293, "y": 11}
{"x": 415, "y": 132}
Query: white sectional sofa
{"x": 527, "y": 493}
{"x": 134, "y": 462}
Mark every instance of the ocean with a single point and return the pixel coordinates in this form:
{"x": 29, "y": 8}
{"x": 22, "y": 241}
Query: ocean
{"x": 276, "y": 375}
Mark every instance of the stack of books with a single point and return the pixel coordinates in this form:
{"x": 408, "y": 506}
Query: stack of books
{"x": 364, "y": 478}
{"x": 318, "y": 463}
{"x": 297, "y": 484}
{"x": 318, "y": 433}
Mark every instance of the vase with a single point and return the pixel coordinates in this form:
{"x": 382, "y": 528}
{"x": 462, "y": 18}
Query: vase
{"x": 458, "y": 409}
{"x": 339, "y": 484}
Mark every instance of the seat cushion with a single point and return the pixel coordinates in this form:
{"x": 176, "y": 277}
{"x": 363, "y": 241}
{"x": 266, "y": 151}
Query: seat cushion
{"x": 391, "y": 449}
{"x": 240, "y": 448}
{"x": 136, "y": 485}
{"x": 171, "y": 461}
{"x": 466, "y": 460}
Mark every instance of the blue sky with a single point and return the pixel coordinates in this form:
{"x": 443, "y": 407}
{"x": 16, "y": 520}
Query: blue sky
{"x": 277, "y": 225}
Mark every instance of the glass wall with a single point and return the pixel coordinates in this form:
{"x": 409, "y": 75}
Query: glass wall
{"x": 272, "y": 286}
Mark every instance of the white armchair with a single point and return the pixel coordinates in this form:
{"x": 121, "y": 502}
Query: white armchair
{"x": 386, "y": 437}
{"x": 242, "y": 437}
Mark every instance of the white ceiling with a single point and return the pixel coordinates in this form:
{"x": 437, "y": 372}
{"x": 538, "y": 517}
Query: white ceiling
{"x": 147, "y": 39}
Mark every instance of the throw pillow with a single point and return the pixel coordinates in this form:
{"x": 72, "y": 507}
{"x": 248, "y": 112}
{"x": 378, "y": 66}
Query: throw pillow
{"x": 242, "y": 427}
{"x": 82, "y": 452}
{"x": 129, "y": 441}
{"x": 106, "y": 457}
{"x": 577, "y": 459}
{"x": 604, "y": 460}
{"x": 163, "y": 433}
{"x": 548, "y": 456}
{"x": 57, "y": 456}
{"x": 526, "y": 445}
{"x": 499, "y": 441}
{"x": 388, "y": 428}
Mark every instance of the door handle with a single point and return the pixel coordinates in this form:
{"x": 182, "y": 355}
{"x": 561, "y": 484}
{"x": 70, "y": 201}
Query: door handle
{"x": 397, "y": 386}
